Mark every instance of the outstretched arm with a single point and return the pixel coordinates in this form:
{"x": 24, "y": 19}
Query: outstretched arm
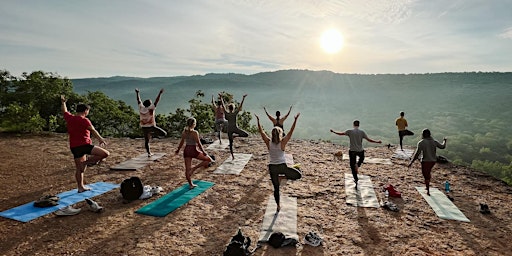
{"x": 242, "y": 103}
{"x": 287, "y": 114}
{"x": 264, "y": 136}
{"x": 158, "y": 97}
{"x": 289, "y": 134}
{"x": 213, "y": 103}
{"x": 269, "y": 116}
{"x": 137, "y": 93}
{"x": 373, "y": 141}
{"x": 63, "y": 104}
{"x": 338, "y": 133}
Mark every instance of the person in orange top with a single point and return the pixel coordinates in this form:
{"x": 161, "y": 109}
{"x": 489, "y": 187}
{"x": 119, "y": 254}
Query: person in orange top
{"x": 401, "y": 124}
{"x": 79, "y": 130}
{"x": 147, "y": 119}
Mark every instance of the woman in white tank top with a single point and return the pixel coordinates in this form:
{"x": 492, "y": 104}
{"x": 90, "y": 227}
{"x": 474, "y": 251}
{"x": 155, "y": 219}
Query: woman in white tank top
{"x": 277, "y": 162}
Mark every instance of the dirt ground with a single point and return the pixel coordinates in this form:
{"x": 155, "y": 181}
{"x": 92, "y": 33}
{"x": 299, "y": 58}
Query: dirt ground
{"x": 35, "y": 165}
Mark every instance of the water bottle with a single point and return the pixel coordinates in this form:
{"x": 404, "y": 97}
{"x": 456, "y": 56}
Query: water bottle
{"x": 447, "y": 186}
{"x": 387, "y": 195}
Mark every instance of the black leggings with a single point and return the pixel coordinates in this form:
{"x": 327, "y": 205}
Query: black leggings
{"x": 289, "y": 172}
{"x": 352, "y": 156}
{"x": 147, "y": 134}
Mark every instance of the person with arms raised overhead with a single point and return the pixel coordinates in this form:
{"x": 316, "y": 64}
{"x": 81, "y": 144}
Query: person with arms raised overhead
{"x": 193, "y": 149}
{"x": 277, "y": 166}
{"x": 427, "y": 148}
{"x": 79, "y": 130}
{"x": 278, "y": 120}
{"x": 356, "y": 149}
{"x": 147, "y": 119}
{"x": 231, "y": 113}
{"x": 220, "y": 120}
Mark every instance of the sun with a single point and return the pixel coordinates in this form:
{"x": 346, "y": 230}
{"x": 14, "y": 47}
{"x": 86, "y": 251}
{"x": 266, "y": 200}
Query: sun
{"x": 331, "y": 41}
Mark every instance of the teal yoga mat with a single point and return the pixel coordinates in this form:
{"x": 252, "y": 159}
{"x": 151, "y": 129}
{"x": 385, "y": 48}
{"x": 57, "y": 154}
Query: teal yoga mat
{"x": 175, "y": 199}
{"x": 28, "y": 212}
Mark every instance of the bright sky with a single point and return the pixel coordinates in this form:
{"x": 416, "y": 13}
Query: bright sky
{"x": 148, "y": 38}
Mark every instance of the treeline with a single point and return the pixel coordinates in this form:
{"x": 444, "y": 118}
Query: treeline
{"x": 31, "y": 103}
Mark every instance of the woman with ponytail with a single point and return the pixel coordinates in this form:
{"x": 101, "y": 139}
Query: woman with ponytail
{"x": 277, "y": 166}
{"x": 193, "y": 149}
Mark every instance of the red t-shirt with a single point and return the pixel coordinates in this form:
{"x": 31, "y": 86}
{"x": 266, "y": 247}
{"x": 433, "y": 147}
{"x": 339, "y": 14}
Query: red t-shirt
{"x": 77, "y": 129}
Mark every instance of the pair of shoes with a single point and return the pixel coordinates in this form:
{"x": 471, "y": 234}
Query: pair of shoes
{"x": 312, "y": 239}
{"x": 93, "y": 206}
{"x": 67, "y": 211}
{"x": 156, "y": 190}
{"x": 390, "y": 206}
{"x": 47, "y": 201}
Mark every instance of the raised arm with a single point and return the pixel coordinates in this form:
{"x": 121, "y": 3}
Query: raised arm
{"x": 213, "y": 103}
{"x": 137, "y": 93}
{"x": 242, "y": 103}
{"x": 269, "y": 116}
{"x": 63, "y": 104}
{"x": 287, "y": 114}
{"x": 158, "y": 97}
{"x": 264, "y": 136}
{"x": 289, "y": 134}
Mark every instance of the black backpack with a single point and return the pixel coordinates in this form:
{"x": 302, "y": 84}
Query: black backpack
{"x": 131, "y": 189}
{"x": 278, "y": 239}
{"x": 239, "y": 245}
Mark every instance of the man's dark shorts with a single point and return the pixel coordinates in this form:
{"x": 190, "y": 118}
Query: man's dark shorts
{"x": 82, "y": 150}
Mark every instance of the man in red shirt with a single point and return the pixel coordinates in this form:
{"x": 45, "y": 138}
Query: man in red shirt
{"x": 80, "y": 143}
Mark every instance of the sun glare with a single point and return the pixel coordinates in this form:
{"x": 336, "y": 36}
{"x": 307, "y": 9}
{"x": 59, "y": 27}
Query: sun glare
{"x": 331, "y": 41}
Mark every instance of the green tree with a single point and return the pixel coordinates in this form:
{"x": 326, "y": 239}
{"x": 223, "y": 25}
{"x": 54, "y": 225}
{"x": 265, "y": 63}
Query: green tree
{"x": 111, "y": 117}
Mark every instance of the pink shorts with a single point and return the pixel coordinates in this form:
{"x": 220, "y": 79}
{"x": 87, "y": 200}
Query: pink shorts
{"x": 191, "y": 151}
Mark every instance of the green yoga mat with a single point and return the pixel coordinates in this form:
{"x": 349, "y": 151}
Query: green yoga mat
{"x": 175, "y": 199}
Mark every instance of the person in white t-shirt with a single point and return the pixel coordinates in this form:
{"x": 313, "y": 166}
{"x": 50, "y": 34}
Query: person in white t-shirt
{"x": 147, "y": 119}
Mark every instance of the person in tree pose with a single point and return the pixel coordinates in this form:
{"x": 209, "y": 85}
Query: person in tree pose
{"x": 427, "y": 148}
{"x": 79, "y": 130}
{"x": 401, "y": 124}
{"x": 147, "y": 119}
{"x": 193, "y": 149}
{"x": 278, "y": 120}
{"x": 231, "y": 113}
{"x": 220, "y": 120}
{"x": 276, "y": 145}
{"x": 356, "y": 149}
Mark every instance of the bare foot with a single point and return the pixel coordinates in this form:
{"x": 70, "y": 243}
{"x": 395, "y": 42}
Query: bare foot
{"x": 192, "y": 186}
{"x": 81, "y": 190}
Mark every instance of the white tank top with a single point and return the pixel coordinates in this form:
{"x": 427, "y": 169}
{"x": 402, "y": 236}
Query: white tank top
{"x": 276, "y": 154}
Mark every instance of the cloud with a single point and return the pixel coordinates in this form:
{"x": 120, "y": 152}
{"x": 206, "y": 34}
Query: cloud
{"x": 507, "y": 34}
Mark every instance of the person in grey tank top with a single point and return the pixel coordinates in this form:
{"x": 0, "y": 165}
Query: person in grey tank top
{"x": 277, "y": 166}
{"x": 231, "y": 114}
{"x": 356, "y": 149}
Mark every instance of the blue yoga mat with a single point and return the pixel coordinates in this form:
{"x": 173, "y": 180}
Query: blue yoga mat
{"x": 175, "y": 199}
{"x": 28, "y": 212}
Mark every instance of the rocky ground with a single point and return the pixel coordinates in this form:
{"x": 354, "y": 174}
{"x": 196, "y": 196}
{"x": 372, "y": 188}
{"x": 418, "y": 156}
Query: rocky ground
{"x": 31, "y": 166}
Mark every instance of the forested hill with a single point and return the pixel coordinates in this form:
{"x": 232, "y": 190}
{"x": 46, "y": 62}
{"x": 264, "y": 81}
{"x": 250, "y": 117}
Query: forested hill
{"x": 471, "y": 109}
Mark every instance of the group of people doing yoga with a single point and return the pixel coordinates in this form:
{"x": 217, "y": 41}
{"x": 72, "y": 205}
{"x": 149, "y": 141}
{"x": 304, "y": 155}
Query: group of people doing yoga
{"x": 85, "y": 153}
